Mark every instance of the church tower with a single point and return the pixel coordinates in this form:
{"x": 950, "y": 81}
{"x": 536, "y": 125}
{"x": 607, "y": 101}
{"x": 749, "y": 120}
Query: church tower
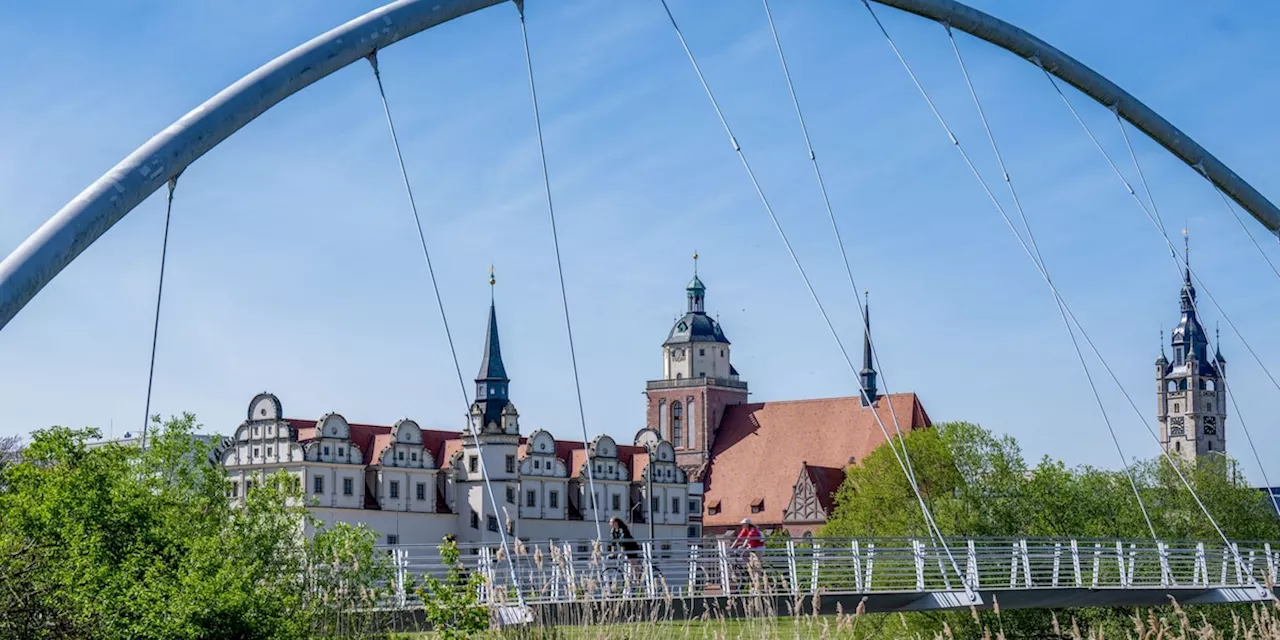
{"x": 1191, "y": 389}
{"x": 698, "y": 382}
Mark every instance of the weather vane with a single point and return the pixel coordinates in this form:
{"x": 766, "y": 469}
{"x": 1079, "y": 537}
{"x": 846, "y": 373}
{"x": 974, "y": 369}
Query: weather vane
{"x": 695, "y": 262}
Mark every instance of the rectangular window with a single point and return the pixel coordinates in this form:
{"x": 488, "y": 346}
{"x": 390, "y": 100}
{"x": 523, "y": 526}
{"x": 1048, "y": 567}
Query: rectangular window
{"x": 657, "y": 505}
{"x": 536, "y": 464}
{"x": 473, "y": 464}
{"x": 395, "y": 488}
{"x": 317, "y": 484}
{"x": 492, "y": 523}
{"x": 422, "y": 491}
{"x": 675, "y": 506}
{"x": 255, "y": 452}
{"x": 341, "y": 452}
{"x": 553, "y": 499}
{"x": 617, "y": 502}
{"x": 693, "y": 506}
{"x": 255, "y": 431}
{"x": 268, "y": 429}
{"x": 235, "y": 489}
{"x": 326, "y": 451}
{"x": 531, "y": 498}
{"x": 248, "y": 486}
{"x": 400, "y": 455}
{"x": 413, "y": 456}
{"x": 347, "y": 487}
{"x": 511, "y": 495}
{"x": 268, "y": 451}
{"x": 511, "y": 464}
{"x": 702, "y": 352}
{"x": 475, "y": 520}
{"x": 393, "y": 539}
{"x": 692, "y": 532}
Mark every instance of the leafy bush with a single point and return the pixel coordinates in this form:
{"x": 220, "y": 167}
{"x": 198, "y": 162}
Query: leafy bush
{"x": 118, "y": 542}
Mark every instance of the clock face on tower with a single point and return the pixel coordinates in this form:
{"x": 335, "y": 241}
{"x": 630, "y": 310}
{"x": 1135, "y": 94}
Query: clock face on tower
{"x": 1210, "y": 425}
{"x": 1177, "y": 426}
{"x": 677, "y": 355}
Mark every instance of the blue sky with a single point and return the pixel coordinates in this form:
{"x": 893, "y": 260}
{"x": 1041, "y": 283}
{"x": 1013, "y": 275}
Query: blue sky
{"x": 294, "y": 266}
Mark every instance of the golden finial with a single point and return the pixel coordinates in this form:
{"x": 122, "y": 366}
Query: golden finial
{"x": 492, "y": 280}
{"x": 695, "y": 262}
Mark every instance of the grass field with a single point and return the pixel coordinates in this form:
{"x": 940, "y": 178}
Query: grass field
{"x": 1216, "y": 622}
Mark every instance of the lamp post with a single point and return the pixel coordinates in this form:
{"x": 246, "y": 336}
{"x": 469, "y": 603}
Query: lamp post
{"x": 648, "y": 478}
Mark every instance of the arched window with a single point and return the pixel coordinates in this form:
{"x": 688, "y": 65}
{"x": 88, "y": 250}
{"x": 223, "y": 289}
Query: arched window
{"x": 1209, "y": 385}
{"x": 677, "y": 423}
{"x": 1182, "y": 384}
{"x": 693, "y": 424}
{"x": 1172, "y": 386}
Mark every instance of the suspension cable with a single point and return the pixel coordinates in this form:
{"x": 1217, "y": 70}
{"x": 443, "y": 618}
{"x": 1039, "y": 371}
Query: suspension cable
{"x": 929, "y": 521}
{"x": 1235, "y": 214}
{"x": 835, "y": 230}
{"x": 564, "y": 296}
{"x": 453, "y": 352}
{"x": 1150, "y": 216}
{"x": 155, "y": 327}
{"x": 1034, "y": 253}
{"x": 1217, "y": 342}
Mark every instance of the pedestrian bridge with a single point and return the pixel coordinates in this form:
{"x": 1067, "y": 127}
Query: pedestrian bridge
{"x": 873, "y": 574}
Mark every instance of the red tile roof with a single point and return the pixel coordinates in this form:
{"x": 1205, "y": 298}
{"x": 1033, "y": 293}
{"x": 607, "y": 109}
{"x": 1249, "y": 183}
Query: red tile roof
{"x": 761, "y": 448}
{"x": 826, "y": 480}
{"x": 373, "y": 439}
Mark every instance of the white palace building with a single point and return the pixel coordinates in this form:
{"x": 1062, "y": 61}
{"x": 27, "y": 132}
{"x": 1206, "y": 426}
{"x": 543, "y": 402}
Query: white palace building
{"x": 413, "y": 485}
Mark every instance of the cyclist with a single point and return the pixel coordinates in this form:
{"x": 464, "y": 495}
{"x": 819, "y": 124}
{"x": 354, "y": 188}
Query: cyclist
{"x": 750, "y": 542}
{"x": 624, "y": 542}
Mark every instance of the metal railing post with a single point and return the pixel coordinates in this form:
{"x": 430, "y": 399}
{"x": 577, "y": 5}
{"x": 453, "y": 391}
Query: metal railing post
{"x": 724, "y": 566}
{"x": 1057, "y": 561}
{"x": 1075, "y": 563}
{"x": 1026, "y": 562}
{"x": 650, "y": 589}
{"x": 975, "y": 579}
{"x": 871, "y": 560}
{"x": 1201, "y": 575}
{"x": 693, "y": 568}
{"x": 402, "y": 568}
{"x": 857, "y": 567}
{"x": 1120, "y": 560}
{"x": 791, "y": 567}
{"x": 1166, "y": 572}
{"x": 813, "y": 576}
{"x": 917, "y": 551}
{"x": 1013, "y": 566}
{"x": 1097, "y": 562}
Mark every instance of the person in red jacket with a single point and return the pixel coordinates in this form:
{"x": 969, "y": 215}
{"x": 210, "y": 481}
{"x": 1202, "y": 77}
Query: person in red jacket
{"x": 750, "y": 539}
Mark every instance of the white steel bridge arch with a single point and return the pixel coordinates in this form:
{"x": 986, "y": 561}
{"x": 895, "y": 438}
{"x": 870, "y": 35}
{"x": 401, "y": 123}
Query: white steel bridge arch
{"x": 83, "y": 220}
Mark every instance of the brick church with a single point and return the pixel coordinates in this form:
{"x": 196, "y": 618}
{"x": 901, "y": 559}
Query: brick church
{"x": 778, "y": 463}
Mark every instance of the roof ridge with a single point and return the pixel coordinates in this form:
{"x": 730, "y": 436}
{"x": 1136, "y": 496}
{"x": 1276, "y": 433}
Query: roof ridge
{"x": 900, "y": 394}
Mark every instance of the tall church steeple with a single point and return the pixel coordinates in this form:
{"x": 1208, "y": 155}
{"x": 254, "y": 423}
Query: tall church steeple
{"x": 1191, "y": 389}
{"x": 868, "y": 367}
{"x": 492, "y": 381}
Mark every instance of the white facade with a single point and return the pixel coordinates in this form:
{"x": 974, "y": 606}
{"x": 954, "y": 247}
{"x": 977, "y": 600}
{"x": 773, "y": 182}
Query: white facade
{"x": 392, "y": 479}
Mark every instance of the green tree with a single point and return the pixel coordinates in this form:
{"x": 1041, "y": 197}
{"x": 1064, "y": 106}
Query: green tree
{"x": 119, "y": 542}
{"x": 452, "y": 604}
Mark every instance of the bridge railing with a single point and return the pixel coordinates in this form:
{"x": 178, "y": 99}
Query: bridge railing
{"x": 578, "y": 570}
